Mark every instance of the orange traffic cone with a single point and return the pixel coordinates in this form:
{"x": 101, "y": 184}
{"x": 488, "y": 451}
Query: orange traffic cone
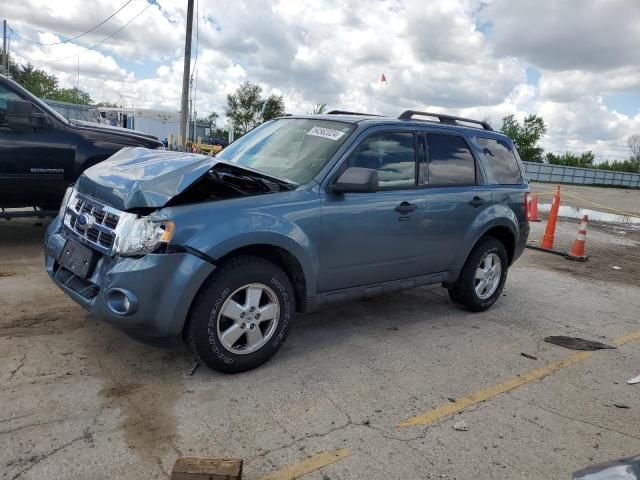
{"x": 577, "y": 250}
{"x": 533, "y": 209}
{"x": 550, "y": 231}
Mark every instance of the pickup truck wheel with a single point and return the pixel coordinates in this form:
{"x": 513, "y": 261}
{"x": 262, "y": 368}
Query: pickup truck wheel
{"x": 241, "y": 316}
{"x": 483, "y": 276}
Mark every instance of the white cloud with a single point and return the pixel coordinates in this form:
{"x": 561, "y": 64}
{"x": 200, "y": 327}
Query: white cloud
{"x": 570, "y": 34}
{"x": 570, "y": 85}
{"x": 459, "y": 56}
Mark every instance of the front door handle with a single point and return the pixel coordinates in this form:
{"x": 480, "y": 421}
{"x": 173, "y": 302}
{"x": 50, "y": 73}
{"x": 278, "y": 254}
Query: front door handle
{"x": 476, "y": 202}
{"x": 406, "y": 207}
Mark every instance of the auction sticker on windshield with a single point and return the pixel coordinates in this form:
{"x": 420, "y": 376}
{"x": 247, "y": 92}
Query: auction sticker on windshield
{"x": 329, "y": 133}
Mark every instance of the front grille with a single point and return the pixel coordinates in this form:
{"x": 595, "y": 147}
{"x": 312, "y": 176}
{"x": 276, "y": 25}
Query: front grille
{"x": 100, "y": 230}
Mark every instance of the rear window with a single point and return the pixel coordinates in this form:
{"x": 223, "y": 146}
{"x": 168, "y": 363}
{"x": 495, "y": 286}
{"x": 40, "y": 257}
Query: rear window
{"x": 501, "y": 160}
{"x": 450, "y": 160}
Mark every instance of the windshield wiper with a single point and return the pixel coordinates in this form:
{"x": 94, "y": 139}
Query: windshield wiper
{"x": 263, "y": 179}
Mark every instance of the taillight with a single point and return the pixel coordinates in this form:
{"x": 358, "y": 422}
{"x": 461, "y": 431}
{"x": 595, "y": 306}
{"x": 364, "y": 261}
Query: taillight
{"x": 526, "y": 206}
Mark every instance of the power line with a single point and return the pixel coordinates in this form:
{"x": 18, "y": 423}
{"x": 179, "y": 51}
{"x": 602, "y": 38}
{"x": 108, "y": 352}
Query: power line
{"x": 105, "y": 38}
{"x": 77, "y": 36}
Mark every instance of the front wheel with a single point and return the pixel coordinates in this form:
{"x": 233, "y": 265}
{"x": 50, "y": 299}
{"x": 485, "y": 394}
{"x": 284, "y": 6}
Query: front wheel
{"x": 241, "y": 316}
{"x": 483, "y": 276}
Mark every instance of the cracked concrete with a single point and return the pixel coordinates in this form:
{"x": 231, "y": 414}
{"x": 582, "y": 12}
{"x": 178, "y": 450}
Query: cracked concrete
{"x": 81, "y": 400}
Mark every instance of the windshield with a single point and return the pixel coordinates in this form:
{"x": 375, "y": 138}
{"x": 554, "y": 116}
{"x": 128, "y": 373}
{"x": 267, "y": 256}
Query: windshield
{"x": 294, "y": 149}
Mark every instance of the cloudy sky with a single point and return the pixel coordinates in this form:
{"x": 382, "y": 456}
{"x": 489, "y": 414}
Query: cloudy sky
{"x": 575, "y": 63}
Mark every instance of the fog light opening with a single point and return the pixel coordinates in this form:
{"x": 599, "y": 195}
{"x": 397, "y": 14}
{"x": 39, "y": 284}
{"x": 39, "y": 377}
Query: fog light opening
{"x": 121, "y": 302}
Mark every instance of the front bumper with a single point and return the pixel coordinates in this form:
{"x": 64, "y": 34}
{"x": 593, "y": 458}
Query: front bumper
{"x": 161, "y": 287}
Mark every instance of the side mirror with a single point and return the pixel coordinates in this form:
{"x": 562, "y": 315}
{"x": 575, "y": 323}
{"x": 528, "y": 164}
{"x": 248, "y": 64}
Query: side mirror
{"x": 356, "y": 180}
{"x": 20, "y": 115}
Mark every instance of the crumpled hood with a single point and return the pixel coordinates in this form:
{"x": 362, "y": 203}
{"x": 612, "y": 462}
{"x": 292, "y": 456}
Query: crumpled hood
{"x": 137, "y": 177}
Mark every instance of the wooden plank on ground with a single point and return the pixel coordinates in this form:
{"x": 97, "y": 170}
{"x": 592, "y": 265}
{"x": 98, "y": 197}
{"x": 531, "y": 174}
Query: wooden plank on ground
{"x": 194, "y": 468}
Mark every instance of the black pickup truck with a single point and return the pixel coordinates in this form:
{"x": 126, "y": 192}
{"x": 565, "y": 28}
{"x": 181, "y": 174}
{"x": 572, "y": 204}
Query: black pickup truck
{"x": 41, "y": 152}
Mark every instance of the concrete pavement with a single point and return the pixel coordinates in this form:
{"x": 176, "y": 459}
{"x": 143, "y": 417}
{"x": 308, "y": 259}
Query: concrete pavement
{"x": 80, "y": 400}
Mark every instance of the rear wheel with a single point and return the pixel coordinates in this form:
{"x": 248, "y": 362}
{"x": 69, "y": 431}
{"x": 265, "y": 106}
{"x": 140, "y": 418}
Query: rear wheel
{"x": 483, "y": 276}
{"x": 241, "y": 316}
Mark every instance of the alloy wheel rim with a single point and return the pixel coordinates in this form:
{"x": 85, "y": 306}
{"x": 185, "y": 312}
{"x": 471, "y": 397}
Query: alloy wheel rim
{"x": 488, "y": 275}
{"x": 248, "y": 318}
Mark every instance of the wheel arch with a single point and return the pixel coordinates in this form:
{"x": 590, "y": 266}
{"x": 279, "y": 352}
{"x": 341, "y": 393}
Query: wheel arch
{"x": 284, "y": 259}
{"x": 506, "y": 236}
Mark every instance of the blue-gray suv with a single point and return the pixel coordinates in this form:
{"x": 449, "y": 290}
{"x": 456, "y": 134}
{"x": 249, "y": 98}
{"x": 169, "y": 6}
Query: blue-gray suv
{"x": 301, "y": 212}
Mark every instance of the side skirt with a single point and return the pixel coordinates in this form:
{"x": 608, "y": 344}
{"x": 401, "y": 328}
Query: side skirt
{"x": 344, "y": 295}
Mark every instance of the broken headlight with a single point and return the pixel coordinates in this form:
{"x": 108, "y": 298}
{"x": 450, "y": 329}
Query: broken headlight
{"x": 140, "y": 235}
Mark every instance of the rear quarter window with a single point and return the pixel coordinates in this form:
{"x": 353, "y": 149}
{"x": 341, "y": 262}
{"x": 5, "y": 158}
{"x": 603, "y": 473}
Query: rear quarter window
{"x": 502, "y": 160}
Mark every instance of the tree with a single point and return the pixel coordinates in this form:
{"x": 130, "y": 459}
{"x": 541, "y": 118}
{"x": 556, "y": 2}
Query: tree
{"x": 618, "y": 166}
{"x": 319, "y": 108}
{"x": 273, "y": 107}
{"x": 107, "y": 104}
{"x": 526, "y": 136}
{"x": 244, "y": 107}
{"x": 634, "y": 145}
{"x": 247, "y": 109}
{"x": 71, "y": 95}
{"x": 45, "y": 85}
{"x": 36, "y": 80}
{"x": 212, "y": 118}
{"x": 586, "y": 159}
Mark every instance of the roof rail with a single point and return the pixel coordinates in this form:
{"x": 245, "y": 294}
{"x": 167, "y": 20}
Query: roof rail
{"x": 342, "y": 112}
{"x": 442, "y": 118}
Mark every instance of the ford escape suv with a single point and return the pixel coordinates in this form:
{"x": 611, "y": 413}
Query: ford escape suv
{"x": 299, "y": 213}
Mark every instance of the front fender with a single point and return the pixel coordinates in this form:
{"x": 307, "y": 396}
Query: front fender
{"x": 288, "y": 220}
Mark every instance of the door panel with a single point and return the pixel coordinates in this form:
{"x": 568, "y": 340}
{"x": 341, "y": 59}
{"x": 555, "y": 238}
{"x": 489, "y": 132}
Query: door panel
{"x": 365, "y": 240}
{"x": 455, "y": 207}
{"x": 374, "y": 237}
{"x": 35, "y": 166}
{"x": 451, "y": 215}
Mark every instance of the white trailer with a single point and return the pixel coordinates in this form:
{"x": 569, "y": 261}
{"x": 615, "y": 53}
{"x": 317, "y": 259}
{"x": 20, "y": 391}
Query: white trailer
{"x": 160, "y": 123}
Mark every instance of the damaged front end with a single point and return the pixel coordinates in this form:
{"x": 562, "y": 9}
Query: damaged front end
{"x": 111, "y": 250}
{"x": 117, "y": 205}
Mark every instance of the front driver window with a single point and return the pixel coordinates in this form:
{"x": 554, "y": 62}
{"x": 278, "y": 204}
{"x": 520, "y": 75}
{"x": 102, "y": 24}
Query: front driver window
{"x": 392, "y": 154}
{"x": 5, "y": 96}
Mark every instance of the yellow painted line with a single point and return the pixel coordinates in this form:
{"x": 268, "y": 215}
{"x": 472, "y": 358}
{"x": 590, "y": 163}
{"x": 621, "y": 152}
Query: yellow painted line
{"x": 490, "y": 392}
{"x": 629, "y": 337}
{"x": 481, "y": 395}
{"x": 308, "y": 465}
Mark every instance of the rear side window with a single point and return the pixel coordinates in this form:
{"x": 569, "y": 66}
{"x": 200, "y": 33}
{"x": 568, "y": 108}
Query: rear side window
{"x": 450, "y": 160}
{"x": 392, "y": 154}
{"x": 501, "y": 160}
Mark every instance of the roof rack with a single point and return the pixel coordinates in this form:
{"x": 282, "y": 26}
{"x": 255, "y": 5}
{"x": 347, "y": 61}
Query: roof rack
{"x": 442, "y": 118}
{"x": 342, "y": 112}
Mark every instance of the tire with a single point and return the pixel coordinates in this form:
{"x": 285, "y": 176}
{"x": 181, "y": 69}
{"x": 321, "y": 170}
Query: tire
{"x": 464, "y": 292}
{"x": 223, "y": 330}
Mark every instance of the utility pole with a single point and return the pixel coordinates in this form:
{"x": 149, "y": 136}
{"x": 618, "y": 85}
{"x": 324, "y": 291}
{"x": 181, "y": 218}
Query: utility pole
{"x": 184, "y": 105}
{"x": 4, "y": 47}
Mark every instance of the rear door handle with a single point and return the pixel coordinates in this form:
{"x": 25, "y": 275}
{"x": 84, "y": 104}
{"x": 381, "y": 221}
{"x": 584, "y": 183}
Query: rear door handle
{"x": 406, "y": 207}
{"x": 476, "y": 202}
